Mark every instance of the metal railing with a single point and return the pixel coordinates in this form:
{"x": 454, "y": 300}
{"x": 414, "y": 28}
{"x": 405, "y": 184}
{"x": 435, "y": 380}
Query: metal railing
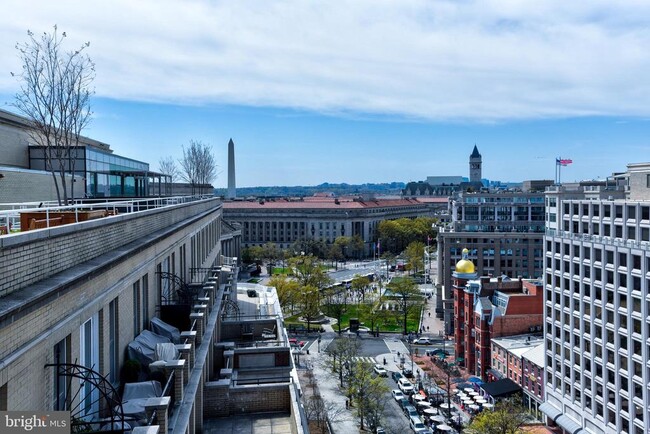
{"x": 262, "y": 380}
{"x": 10, "y": 216}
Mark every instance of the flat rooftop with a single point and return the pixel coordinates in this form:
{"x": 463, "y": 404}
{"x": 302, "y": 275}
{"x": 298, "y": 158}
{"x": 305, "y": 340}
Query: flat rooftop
{"x": 265, "y": 423}
{"x": 257, "y": 300}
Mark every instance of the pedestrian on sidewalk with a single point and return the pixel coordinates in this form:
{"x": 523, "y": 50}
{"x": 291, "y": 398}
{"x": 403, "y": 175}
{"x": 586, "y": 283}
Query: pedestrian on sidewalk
{"x": 429, "y": 314}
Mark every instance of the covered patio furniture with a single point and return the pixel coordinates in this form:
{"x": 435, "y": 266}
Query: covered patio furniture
{"x": 135, "y": 397}
{"x": 143, "y": 347}
{"x": 161, "y": 328}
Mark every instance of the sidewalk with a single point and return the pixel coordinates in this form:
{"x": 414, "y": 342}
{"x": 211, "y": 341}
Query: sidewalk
{"x": 343, "y": 420}
{"x": 429, "y": 319}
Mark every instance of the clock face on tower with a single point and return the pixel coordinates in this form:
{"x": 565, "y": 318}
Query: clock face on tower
{"x": 475, "y": 165}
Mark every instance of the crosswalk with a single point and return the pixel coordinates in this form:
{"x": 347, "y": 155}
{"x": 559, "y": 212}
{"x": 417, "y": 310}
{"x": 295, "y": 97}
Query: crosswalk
{"x": 366, "y": 360}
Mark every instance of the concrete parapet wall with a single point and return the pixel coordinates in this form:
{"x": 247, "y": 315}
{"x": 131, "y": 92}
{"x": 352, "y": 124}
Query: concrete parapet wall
{"x": 26, "y": 258}
{"x": 32, "y": 186}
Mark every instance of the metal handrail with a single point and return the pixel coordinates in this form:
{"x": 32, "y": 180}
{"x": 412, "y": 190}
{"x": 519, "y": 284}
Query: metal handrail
{"x": 263, "y": 380}
{"x": 125, "y": 206}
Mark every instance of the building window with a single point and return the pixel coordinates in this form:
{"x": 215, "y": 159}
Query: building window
{"x": 61, "y": 355}
{"x": 136, "y": 308}
{"x": 113, "y": 341}
{"x": 89, "y": 355}
{"x": 145, "y": 301}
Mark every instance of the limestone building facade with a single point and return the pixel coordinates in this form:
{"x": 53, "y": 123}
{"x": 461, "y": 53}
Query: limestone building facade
{"x": 597, "y": 309}
{"x": 285, "y": 221}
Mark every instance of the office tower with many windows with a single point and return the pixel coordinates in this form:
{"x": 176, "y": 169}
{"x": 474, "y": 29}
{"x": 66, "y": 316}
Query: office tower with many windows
{"x": 597, "y": 304}
{"x": 502, "y": 231}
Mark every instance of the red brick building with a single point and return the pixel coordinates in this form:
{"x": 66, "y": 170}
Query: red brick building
{"x": 489, "y": 307}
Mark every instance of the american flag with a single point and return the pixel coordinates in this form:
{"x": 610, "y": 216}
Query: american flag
{"x": 563, "y": 161}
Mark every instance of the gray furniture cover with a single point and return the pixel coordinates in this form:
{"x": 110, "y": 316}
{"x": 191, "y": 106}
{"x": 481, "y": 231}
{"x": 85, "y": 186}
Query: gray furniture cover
{"x": 160, "y": 327}
{"x": 135, "y": 397}
{"x": 143, "y": 348}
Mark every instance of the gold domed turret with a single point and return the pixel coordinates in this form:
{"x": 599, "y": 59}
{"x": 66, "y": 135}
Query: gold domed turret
{"x": 465, "y": 266}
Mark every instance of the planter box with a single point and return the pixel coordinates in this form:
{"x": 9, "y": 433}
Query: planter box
{"x": 38, "y": 219}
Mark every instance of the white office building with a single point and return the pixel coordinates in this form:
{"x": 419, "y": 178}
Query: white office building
{"x": 597, "y": 302}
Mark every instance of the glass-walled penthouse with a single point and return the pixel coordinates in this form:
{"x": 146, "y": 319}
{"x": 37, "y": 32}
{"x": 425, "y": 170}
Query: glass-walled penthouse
{"x": 105, "y": 174}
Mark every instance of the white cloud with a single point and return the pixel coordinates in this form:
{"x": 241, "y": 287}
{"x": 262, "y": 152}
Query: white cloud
{"x": 443, "y": 60}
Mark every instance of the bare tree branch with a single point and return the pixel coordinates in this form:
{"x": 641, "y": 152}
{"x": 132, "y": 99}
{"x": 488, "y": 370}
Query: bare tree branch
{"x": 55, "y": 95}
{"x": 167, "y": 166}
{"x": 198, "y": 166}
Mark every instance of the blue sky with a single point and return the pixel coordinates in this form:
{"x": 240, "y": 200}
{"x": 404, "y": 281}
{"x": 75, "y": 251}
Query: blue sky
{"x": 361, "y": 91}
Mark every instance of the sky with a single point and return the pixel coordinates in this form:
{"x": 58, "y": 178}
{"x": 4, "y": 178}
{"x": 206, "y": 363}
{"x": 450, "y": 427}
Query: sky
{"x": 360, "y": 91}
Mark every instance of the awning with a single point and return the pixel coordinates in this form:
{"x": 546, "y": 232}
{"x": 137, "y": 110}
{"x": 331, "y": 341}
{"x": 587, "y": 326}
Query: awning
{"x": 568, "y": 424}
{"x": 501, "y": 388}
{"x": 548, "y": 409}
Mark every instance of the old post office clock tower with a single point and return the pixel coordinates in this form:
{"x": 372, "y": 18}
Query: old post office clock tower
{"x": 475, "y": 166}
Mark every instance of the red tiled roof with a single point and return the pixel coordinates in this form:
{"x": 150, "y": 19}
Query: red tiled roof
{"x": 321, "y": 203}
{"x": 433, "y": 199}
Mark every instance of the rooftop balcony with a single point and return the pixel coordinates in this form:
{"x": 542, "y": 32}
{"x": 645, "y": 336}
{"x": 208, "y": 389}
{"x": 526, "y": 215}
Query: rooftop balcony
{"x": 23, "y": 217}
{"x": 253, "y": 364}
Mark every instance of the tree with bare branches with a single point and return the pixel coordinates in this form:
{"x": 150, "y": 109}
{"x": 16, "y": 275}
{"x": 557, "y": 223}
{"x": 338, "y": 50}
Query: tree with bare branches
{"x": 198, "y": 166}
{"x": 167, "y": 166}
{"x": 55, "y": 96}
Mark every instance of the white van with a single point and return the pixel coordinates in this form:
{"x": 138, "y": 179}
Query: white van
{"x": 405, "y": 386}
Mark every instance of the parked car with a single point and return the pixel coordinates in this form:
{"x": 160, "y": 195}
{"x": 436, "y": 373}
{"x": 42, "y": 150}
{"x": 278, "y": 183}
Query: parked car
{"x": 380, "y": 370}
{"x": 296, "y": 343}
{"x": 405, "y": 386}
{"x": 397, "y": 394}
{"x": 410, "y": 411}
{"x": 422, "y": 341}
{"x": 396, "y": 376}
{"x": 407, "y": 372}
{"x": 438, "y": 352}
{"x": 416, "y": 425}
{"x": 380, "y": 430}
{"x": 404, "y": 402}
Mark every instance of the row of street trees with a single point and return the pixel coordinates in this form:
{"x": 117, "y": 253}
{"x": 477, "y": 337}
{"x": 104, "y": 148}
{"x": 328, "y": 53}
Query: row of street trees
{"x": 341, "y": 249}
{"x": 396, "y": 235}
{"x": 367, "y": 393}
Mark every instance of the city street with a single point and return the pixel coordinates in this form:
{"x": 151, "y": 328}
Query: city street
{"x": 388, "y": 348}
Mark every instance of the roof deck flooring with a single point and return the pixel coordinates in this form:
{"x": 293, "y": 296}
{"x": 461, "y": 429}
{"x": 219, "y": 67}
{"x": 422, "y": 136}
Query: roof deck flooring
{"x": 265, "y": 423}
